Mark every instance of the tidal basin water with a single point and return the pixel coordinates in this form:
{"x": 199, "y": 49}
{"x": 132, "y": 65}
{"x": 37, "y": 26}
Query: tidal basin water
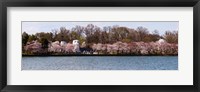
{"x": 100, "y": 63}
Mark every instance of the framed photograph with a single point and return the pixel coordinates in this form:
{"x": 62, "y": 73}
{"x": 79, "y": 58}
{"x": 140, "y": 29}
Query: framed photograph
{"x": 128, "y": 45}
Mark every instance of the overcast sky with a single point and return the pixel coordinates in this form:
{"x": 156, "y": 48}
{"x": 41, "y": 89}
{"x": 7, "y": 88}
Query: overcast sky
{"x": 34, "y": 27}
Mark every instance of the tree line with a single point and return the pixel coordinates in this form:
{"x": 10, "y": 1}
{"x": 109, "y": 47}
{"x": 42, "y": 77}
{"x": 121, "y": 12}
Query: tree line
{"x": 92, "y": 34}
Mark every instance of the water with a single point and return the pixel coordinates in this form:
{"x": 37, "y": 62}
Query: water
{"x": 100, "y": 63}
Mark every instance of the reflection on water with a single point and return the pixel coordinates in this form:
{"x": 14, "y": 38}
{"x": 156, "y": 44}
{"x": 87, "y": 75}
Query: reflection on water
{"x": 100, "y": 63}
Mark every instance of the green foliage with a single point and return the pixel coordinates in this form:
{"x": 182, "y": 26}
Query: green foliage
{"x": 25, "y": 38}
{"x": 127, "y": 40}
{"x": 44, "y": 43}
{"x": 74, "y": 35}
{"x": 147, "y": 39}
{"x": 81, "y": 40}
{"x": 171, "y": 37}
{"x": 48, "y": 36}
{"x": 32, "y": 38}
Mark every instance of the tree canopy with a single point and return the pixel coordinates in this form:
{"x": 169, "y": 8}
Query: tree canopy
{"x": 94, "y": 34}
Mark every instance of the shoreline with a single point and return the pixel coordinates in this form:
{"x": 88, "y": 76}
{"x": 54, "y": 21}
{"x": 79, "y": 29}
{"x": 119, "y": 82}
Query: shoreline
{"x": 89, "y": 55}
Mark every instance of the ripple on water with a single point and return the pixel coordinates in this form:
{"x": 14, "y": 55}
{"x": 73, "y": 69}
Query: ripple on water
{"x": 101, "y": 63}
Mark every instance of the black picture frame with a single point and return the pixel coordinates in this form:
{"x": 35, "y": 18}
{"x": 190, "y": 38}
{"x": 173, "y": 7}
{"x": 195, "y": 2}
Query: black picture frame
{"x": 100, "y": 3}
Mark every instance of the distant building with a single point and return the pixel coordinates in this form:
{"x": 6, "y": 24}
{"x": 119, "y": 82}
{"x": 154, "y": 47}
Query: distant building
{"x": 160, "y": 41}
{"x": 76, "y": 46}
{"x": 75, "y": 42}
{"x": 63, "y": 43}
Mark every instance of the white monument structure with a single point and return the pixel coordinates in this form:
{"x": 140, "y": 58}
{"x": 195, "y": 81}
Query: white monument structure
{"x": 63, "y": 43}
{"x": 76, "y": 46}
{"x": 161, "y": 41}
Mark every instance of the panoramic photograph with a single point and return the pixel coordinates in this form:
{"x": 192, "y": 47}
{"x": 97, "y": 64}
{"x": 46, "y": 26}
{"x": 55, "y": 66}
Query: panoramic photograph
{"x": 99, "y": 45}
